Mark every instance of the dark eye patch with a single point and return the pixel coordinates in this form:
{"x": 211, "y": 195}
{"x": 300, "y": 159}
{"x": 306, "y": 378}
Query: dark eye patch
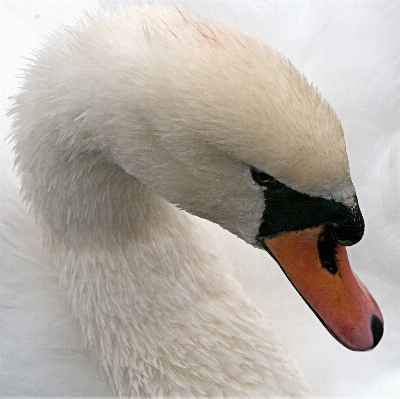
{"x": 289, "y": 210}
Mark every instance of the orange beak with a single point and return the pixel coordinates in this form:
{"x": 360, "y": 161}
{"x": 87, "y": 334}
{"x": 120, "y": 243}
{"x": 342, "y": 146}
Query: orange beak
{"x": 320, "y": 271}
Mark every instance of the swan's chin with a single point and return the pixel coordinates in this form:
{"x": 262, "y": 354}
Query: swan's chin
{"x": 319, "y": 269}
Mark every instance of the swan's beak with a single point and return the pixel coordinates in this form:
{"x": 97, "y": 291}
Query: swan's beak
{"x": 319, "y": 269}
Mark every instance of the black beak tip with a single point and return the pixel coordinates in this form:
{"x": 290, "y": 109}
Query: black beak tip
{"x": 377, "y": 329}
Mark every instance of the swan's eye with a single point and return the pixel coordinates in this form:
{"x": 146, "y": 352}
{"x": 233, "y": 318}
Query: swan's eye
{"x": 261, "y": 178}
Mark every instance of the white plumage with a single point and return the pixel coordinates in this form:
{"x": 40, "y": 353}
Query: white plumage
{"x": 91, "y": 256}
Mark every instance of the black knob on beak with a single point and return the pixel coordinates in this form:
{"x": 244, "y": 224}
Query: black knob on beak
{"x": 351, "y": 228}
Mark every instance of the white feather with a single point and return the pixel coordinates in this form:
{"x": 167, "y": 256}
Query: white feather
{"x": 352, "y": 378}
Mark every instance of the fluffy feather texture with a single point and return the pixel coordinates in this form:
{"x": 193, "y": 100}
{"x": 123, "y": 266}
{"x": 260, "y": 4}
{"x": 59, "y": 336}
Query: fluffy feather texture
{"x": 161, "y": 92}
{"x": 144, "y": 100}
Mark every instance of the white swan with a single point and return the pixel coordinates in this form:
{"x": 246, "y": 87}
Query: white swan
{"x": 121, "y": 113}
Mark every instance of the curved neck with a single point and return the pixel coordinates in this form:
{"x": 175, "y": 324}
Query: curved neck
{"x": 152, "y": 296}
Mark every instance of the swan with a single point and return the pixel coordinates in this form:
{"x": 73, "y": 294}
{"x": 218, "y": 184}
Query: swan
{"x": 125, "y": 125}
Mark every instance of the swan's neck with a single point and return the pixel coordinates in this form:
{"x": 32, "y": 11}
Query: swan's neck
{"x": 152, "y": 297}
{"x": 132, "y": 267}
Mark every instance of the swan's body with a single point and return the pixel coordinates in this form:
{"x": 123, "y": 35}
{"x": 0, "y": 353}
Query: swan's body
{"x": 120, "y": 115}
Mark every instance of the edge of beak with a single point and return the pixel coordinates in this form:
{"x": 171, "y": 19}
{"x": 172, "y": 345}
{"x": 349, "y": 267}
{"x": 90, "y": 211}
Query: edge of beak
{"x": 319, "y": 269}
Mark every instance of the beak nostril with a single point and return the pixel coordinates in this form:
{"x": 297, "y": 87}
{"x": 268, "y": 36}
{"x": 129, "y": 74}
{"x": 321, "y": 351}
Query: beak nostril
{"x": 377, "y": 329}
{"x": 327, "y": 251}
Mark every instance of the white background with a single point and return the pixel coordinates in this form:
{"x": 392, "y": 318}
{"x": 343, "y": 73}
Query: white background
{"x": 351, "y": 51}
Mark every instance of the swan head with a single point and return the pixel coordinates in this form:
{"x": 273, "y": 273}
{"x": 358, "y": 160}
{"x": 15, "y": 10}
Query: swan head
{"x": 227, "y": 129}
